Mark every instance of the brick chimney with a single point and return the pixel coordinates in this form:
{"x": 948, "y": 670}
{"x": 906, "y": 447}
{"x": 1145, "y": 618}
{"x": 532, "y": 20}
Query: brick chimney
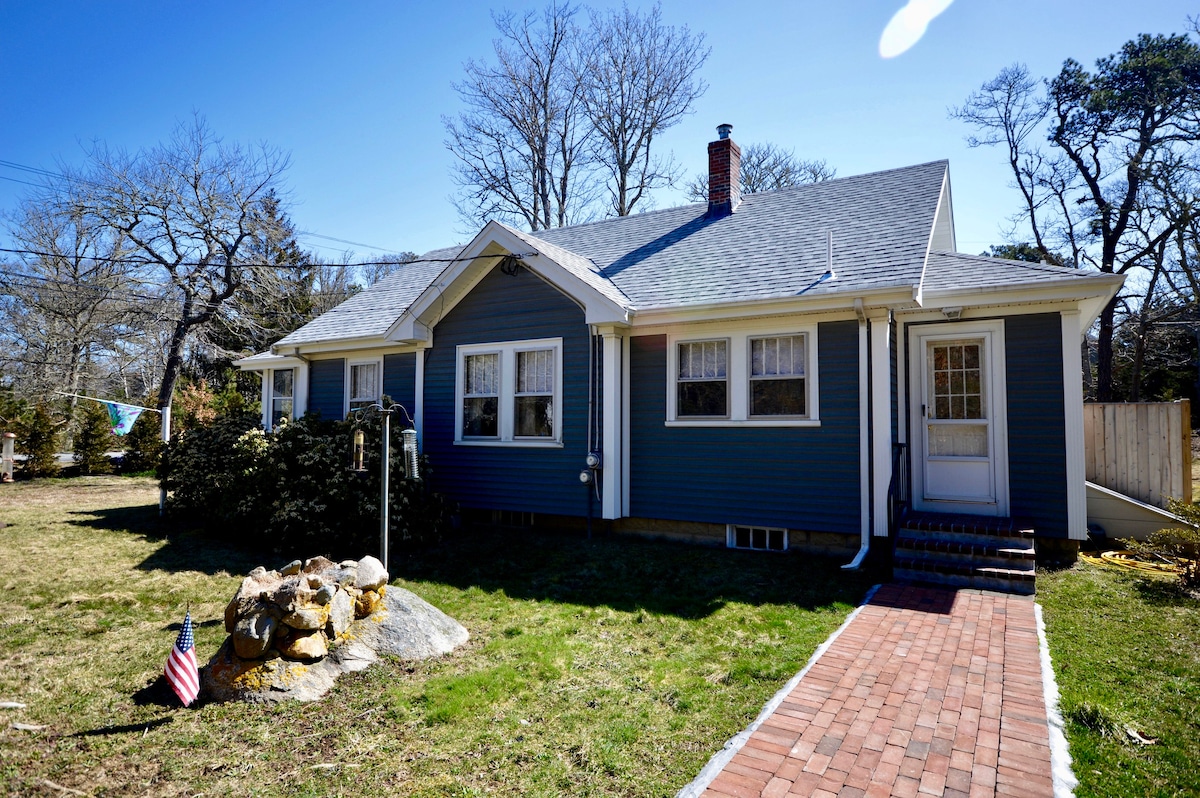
{"x": 724, "y": 173}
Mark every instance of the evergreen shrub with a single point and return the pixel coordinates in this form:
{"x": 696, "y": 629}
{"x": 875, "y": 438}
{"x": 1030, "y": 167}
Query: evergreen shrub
{"x": 93, "y": 440}
{"x": 292, "y": 489}
{"x": 38, "y": 441}
{"x": 143, "y": 444}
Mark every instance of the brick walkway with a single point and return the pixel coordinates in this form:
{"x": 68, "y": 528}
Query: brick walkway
{"x": 926, "y": 692}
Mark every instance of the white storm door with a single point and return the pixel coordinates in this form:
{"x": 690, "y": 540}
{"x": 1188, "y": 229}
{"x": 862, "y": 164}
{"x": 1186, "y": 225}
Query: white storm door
{"x": 961, "y": 458}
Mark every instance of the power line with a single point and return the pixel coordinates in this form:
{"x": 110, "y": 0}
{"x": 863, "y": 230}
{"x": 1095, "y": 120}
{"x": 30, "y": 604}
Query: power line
{"x": 128, "y": 261}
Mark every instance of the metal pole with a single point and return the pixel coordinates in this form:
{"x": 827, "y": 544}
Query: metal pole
{"x": 165, "y": 413}
{"x": 383, "y": 490}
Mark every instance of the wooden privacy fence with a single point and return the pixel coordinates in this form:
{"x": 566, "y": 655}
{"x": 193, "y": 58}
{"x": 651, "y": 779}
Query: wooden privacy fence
{"x": 1143, "y": 450}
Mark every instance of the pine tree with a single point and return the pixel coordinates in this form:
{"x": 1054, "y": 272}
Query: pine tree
{"x": 38, "y": 441}
{"x": 93, "y": 440}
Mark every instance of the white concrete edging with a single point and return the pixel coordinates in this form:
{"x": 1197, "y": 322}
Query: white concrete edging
{"x": 1060, "y": 755}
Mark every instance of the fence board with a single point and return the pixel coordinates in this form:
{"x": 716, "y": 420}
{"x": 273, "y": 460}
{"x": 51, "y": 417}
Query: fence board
{"x": 1140, "y": 449}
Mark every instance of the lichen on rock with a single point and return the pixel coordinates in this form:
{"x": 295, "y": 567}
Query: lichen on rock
{"x": 293, "y": 631}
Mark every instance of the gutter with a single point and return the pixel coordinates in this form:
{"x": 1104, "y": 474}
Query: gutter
{"x": 864, "y": 464}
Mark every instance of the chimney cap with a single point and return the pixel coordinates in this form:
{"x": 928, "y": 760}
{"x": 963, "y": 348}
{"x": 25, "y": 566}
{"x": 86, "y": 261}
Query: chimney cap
{"x": 724, "y": 130}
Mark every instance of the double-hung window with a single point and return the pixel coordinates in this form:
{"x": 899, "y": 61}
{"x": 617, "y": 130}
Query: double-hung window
{"x": 366, "y": 381}
{"x": 777, "y": 368}
{"x": 703, "y": 383}
{"x": 481, "y": 395}
{"x": 283, "y": 391}
{"x": 510, "y": 393}
{"x": 746, "y": 375}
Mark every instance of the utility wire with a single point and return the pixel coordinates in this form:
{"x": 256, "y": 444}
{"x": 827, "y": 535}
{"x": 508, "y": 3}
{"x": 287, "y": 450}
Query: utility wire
{"x": 148, "y": 262}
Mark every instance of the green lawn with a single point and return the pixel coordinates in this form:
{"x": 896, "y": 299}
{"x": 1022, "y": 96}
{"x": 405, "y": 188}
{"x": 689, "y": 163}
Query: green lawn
{"x": 1126, "y": 652}
{"x": 610, "y": 667}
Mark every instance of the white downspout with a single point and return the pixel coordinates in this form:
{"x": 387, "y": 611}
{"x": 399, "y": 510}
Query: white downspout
{"x": 864, "y": 459}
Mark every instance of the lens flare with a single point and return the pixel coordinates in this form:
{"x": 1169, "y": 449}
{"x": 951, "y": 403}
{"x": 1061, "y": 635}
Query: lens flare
{"x": 908, "y": 26}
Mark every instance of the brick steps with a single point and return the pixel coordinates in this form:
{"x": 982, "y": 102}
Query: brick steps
{"x": 965, "y": 551}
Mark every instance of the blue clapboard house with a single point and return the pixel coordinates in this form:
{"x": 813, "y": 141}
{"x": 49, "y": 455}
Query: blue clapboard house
{"x": 814, "y": 368}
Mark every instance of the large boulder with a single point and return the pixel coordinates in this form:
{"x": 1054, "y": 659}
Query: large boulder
{"x": 294, "y": 631}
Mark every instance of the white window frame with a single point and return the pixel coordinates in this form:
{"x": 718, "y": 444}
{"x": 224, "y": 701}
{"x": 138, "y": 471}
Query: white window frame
{"x": 738, "y": 375}
{"x": 272, "y": 396}
{"x": 750, "y": 378}
{"x": 728, "y": 376}
{"x": 350, "y": 364}
{"x": 731, "y": 537}
{"x": 506, "y": 404}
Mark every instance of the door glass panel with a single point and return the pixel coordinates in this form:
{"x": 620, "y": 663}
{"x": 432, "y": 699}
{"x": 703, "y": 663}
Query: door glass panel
{"x": 958, "y": 440}
{"x": 956, "y": 396}
{"x": 957, "y": 380}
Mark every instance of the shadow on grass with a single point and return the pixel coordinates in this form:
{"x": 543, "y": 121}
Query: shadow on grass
{"x": 1164, "y": 592}
{"x": 130, "y": 728}
{"x": 629, "y": 574}
{"x": 183, "y": 549}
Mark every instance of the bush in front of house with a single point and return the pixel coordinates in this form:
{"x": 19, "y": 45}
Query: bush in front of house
{"x": 292, "y": 489}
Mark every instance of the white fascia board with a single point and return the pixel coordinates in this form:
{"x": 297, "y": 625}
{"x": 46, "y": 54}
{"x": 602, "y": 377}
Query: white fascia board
{"x": 453, "y": 284}
{"x": 350, "y": 345}
{"x": 1092, "y": 293}
{"x": 892, "y": 296}
{"x": 264, "y": 361}
{"x": 944, "y": 202}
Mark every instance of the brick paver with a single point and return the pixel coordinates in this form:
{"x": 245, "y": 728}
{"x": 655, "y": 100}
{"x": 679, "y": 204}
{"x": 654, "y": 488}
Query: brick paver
{"x": 926, "y": 692}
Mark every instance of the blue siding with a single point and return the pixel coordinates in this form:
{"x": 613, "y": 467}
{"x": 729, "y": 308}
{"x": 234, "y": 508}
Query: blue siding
{"x": 327, "y": 388}
{"x": 543, "y": 480}
{"x": 400, "y": 380}
{"x": 1036, "y": 429}
{"x": 801, "y": 478}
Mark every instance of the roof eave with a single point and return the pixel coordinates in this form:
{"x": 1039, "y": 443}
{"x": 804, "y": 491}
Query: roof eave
{"x": 893, "y": 295}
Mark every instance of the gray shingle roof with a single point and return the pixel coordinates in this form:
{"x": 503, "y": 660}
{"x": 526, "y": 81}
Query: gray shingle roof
{"x": 371, "y": 312}
{"x": 773, "y": 245}
{"x": 954, "y": 271}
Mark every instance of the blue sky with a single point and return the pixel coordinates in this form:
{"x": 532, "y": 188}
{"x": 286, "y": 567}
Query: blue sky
{"x": 355, "y": 92}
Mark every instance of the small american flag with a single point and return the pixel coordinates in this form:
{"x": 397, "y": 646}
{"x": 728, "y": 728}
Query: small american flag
{"x": 181, "y": 670}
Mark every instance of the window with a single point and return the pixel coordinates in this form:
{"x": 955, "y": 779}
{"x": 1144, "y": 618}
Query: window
{"x": 481, "y": 395}
{"x": 365, "y": 387}
{"x": 703, "y": 383}
{"x": 777, "y": 376}
{"x": 283, "y": 383}
{"x": 757, "y": 538}
{"x": 534, "y": 405}
{"x": 510, "y": 393}
{"x": 752, "y": 374}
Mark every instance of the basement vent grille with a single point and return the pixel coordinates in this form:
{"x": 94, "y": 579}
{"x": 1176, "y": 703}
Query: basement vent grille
{"x": 756, "y": 538}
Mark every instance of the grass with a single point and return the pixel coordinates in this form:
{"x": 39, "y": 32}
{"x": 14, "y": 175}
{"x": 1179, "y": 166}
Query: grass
{"x": 595, "y": 668}
{"x": 1126, "y": 652}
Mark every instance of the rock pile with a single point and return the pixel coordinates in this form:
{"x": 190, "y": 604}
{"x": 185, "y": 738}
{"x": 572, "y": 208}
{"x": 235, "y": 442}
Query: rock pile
{"x": 292, "y": 632}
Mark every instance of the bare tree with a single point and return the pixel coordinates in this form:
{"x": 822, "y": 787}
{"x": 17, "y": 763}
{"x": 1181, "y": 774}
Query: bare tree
{"x": 767, "y": 167}
{"x": 1109, "y": 133}
{"x": 637, "y": 77}
{"x": 187, "y": 211}
{"x": 522, "y": 143}
{"x": 62, "y": 301}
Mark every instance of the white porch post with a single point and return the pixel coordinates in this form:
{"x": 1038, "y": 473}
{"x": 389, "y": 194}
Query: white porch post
{"x": 881, "y": 421}
{"x": 1073, "y": 419}
{"x": 419, "y": 397}
{"x": 300, "y": 390}
{"x": 612, "y": 475}
{"x": 268, "y": 375}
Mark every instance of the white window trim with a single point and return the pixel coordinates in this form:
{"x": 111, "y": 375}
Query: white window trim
{"x": 731, "y": 537}
{"x": 506, "y": 404}
{"x": 272, "y": 396}
{"x": 738, "y": 371}
{"x": 378, "y": 361}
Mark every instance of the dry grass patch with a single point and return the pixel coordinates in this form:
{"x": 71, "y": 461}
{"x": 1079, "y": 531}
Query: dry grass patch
{"x": 607, "y": 667}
